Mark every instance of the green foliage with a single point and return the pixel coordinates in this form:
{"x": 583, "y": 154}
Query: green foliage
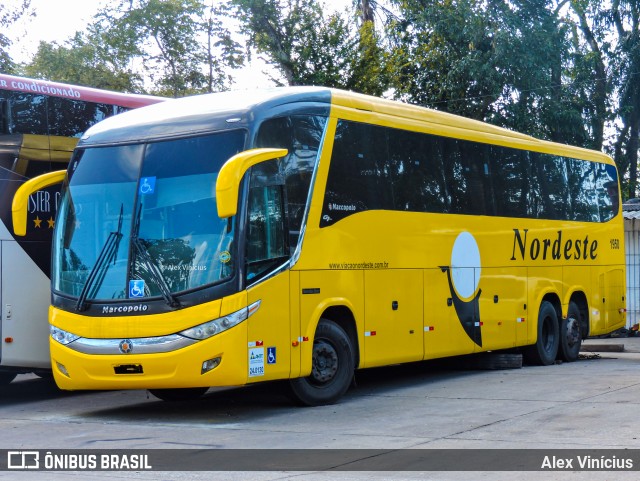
{"x": 81, "y": 63}
{"x": 182, "y": 45}
{"x": 564, "y": 70}
{"x": 8, "y": 16}
{"x": 161, "y": 33}
{"x": 308, "y": 48}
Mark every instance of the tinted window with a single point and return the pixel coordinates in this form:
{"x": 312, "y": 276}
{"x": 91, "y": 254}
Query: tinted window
{"x": 364, "y": 182}
{"x": 301, "y": 136}
{"x": 70, "y": 118}
{"x": 375, "y": 167}
{"x": 27, "y": 113}
{"x": 266, "y": 240}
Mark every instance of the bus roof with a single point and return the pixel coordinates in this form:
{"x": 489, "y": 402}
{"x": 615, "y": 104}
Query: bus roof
{"x": 74, "y": 92}
{"x": 201, "y": 113}
{"x": 204, "y": 113}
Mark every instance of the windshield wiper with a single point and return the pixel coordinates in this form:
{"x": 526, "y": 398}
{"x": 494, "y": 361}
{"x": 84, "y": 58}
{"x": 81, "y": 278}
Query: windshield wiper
{"x": 144, "y": 257}
{"x": 153, "y": 269}
{"x": 107, "y": 254}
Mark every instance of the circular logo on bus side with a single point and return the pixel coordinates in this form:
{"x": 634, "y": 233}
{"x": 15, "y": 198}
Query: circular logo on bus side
{"x": 463, "y": 276}
{"x": 126, "y": 346}
{"x": 465, "y": 265}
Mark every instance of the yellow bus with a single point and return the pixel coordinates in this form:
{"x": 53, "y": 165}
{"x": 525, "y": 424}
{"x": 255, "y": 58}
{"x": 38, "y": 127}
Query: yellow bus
{"x": 302, "y": 233}
{"x": 40, "y": 125}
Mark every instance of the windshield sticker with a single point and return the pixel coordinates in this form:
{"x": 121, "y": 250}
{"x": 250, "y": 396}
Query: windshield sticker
{"x": 256, "y": 362}
{"x": 136, "y": 288}
{"x": 147, "y": 185}
{"x": 225, "y": 257}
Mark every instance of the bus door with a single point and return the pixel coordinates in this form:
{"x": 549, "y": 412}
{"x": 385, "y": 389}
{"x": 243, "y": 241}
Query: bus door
{"x": 267, "y": 251}
{"x": 268, "y": 332}
{"x": 393, "y": 316}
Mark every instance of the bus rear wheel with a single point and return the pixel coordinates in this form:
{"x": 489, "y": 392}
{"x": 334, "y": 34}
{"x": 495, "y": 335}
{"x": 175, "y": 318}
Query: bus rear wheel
{"x": 545, "y": 350}
{"x": 570, "y": 335}
{"x": 332, "y": 367}
{"x": 184, "y": 394}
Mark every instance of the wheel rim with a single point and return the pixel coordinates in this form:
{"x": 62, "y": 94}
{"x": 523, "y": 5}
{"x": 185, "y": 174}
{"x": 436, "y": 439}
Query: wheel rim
{"x": 325, "y": 362}
{"x": 573, "y": 331}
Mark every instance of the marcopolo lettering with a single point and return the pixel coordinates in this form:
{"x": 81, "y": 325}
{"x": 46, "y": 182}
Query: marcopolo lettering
{"x": 124, "y": 309}
{"x": 347, "y": 208}
{"x": 552, "y": 248}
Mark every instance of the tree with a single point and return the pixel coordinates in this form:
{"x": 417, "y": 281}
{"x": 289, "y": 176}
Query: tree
{"x": 508, "y": 62}
{"x": 444, "y": 56}
{"x": 222, "y": 51}
{"x": 609, "y": 35}
{"x": 308, "y": 48}
{"x": 82, "y": 63}
{"x": 623, "y": 16}
{"x": 7, "y": 18}
{"x": 167, "y": 36}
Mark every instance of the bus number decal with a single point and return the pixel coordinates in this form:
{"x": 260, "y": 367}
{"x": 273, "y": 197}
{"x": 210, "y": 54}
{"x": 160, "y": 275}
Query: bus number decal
{"x": 256, "y": 362}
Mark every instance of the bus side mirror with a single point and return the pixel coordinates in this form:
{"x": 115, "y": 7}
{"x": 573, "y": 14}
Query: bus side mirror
{"x": 21, "y": 198}
{"x": 231, "y": 173}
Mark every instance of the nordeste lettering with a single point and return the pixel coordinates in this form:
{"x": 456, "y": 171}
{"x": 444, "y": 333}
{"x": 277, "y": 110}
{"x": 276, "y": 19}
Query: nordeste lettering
{"x": 552, "y": 248}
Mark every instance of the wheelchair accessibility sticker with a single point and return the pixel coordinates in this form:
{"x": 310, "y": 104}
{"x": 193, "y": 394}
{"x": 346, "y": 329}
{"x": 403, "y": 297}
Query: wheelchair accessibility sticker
{"x": 136, "y": 288}
{"x": 271, "y": 355}
{"x": 147, "y": 185}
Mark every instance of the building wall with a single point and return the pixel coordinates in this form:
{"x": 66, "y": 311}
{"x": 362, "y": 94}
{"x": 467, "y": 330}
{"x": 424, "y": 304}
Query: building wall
{"x": 632, "y": 252}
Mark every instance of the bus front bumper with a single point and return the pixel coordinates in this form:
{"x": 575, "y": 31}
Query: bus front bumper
{"x": 221, "y": 360}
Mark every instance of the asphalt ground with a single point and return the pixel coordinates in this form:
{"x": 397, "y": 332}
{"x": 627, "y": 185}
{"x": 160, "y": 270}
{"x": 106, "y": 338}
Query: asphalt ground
{"x": 591, "y": 404}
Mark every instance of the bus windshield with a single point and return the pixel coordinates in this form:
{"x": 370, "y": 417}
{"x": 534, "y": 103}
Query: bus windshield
{"x": 139, "y": 221}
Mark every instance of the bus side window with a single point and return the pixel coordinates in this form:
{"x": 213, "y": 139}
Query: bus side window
{"x": 70, "y": 118}
{"x": 29, "y": 114}
{"x": 267, "y": 245}
{"x": 360, "y": 173}
{"x": 416, "y": 173}
{"x": 300, "y": 135}
{"x": 4, "y": 114}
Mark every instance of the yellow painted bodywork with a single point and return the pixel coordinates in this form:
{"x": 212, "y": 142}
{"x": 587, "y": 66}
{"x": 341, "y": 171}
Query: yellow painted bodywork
{"x": 390, "y": 280}
{"x": 43, "y": 148}
{"x": 161, "y": 370}
{"x": 231, "y": 174}
{"x": 21, "y": 198}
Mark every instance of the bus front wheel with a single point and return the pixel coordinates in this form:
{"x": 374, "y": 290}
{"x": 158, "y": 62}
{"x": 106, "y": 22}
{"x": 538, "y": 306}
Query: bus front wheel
{"x": 7, "y": 377}
{"x": 545, "y": 350}
{"x": 332, "y": 367}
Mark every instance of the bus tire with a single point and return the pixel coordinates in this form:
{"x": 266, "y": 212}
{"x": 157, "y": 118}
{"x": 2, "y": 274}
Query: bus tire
{"x": 181, "y": 394}
{"x": 7, "y": 377}
{"x": 332, "y": 367}
{"x": 570, "y": 335}
{"x": 545, "y": 350}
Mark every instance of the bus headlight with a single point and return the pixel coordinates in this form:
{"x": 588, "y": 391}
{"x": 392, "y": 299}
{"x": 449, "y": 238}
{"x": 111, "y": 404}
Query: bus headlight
{"x": 211, "y": 328}
{"x": 63, "y": 337}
